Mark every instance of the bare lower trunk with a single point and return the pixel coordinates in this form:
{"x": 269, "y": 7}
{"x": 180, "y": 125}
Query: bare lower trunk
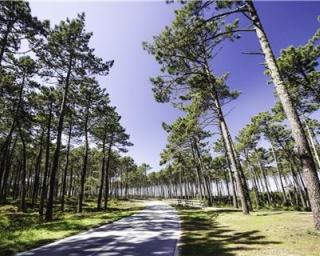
{"x": 85, "y": 166}
{"x": 66, "y": 167}
{"x": 46, "y": 169}
{"x": 24, "y": 173}
{"x": 234, "y": 191}
{"x": 202, "y": 169}
{"x": 102, "y": 172}
{"x": 285, "y": 200}
{"x": 56, "y": 155}
{"x": 37, "y": 172}
{"x": 106, "y": 192}
{"x": 241, "y": 190}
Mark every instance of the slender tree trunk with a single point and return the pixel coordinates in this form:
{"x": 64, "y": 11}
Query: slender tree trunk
{"x": 4, "y": 155}
{"x": 263, "y": 174}
{"x": 241, "y": 190}
{"x": 66, "y": 167}
{"x": 313, "y": 146}
{"x": 102, "y": 169}
{"x": 85, "y": 163}
{"x": 285, "y": 200}
{"x": 298, "y": 187}
{"x": 6, "y": 186}
{"x": 37, "y": 171}
{"x": 106, "y": 192}
{"x": 198, "y": 172}
{"x": 303, "y": 149}
{"x": 227, "y": 185}
{"x": 47, "y": 163}
{"x": 234, "y": 190}
{"x": 16, "y": 189}
{"x": 56, "y": 155}
{"x": 256, "y": 192}
{"x": 24, "y": 173}
{"x": 235, "y": 167}
{"x": 7, "y": 142}
{"x": 205, "y": 183}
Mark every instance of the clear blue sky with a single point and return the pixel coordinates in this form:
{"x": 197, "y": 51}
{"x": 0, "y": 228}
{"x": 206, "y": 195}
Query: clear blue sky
{"x": 120, "y": 27}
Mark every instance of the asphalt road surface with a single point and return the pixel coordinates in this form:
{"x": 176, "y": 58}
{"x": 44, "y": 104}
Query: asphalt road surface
{"x": 153, "y": 231}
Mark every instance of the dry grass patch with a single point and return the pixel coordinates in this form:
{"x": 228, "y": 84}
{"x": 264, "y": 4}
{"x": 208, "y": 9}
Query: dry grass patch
{"x": 227, "y": 232}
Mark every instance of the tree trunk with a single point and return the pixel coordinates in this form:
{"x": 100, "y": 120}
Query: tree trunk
{"x": 70, "y": 189}
{"x": 264, "y": 177}
{"x": 7, "y": 142}
{"x": 85, "y": 163}
{"x": 106, "y": 192}
{"x": 37, "y": 171}
{"x": 228, "y": 144}
{"x": 234, "y": 190}
{"x": 6, "y": 186}
{"x": 241, "y": 190}
{"x": 285, "y": 200}
{"x": 303, "y": 149}
{"x": 205, "y": 183}
{"x": 102, "y": 169}
{"x": 64, "y": 181}
{"x": 313, "y": 146}
{"x": 198, "y": 172}
{"x": 56, "y": 155}
{"x": 46, "y": 169}
{"x": 24, "y": 173}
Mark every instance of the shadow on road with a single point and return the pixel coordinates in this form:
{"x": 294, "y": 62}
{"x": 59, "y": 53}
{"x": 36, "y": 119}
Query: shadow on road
{"x": 150, "y": 232}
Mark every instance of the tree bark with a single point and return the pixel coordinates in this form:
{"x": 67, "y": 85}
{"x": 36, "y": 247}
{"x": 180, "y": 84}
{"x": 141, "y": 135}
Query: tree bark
{"x": 284, "y": 195}
{"x": 234, "y": 191}
{"x": 102, "y": 169}
{"x": 56, "y": 155}
{"x": 204, "y": 180}
{"x": 64, "y": 181}
{"x": 313, "y": 146}
{"x": 241, "y": 190}
{"x": 85, "y": 163}
{"x": 46, "y": 169}
{"x": 106, "y": 192}
{"x": 7, "y": 142}
{"x": 24, "y": 173}
{"x": 37, "y": 171}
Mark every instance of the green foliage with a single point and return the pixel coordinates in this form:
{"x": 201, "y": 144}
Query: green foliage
{"x": 23, "y": 231}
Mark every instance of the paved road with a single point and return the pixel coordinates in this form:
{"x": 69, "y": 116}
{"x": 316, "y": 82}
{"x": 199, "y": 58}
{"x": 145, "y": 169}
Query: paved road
{"x": 153, "y": 231}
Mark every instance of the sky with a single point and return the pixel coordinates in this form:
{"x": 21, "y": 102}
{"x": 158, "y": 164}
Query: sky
{"x": 120, "y": 27}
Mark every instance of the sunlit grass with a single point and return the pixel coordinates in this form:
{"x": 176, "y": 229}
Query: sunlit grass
{"x": 268, "y": 233}
{"x": 23, "y": 231}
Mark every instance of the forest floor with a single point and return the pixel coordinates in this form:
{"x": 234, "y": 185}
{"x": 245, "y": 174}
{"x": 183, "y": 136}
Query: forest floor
{"x": 22, "y": 231}
{"x": 227, "y": 232}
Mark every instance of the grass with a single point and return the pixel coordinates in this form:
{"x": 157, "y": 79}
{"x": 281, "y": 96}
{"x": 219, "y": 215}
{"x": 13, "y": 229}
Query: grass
{"x": 23, "y": 231}
{"x": 227, "y": 232}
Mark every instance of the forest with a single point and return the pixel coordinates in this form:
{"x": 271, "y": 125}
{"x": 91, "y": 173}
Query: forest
{"x": 282, "y": 171}
{"x": 60, "y": 136}
{"x": 63, "y": 149}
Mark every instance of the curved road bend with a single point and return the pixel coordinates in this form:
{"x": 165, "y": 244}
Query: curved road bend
{"x": 153, "y": 231}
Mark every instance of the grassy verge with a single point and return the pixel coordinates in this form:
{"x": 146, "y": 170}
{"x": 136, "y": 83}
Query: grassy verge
{"x": 226, "y": 232}
{"x": 22, "y": 231}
